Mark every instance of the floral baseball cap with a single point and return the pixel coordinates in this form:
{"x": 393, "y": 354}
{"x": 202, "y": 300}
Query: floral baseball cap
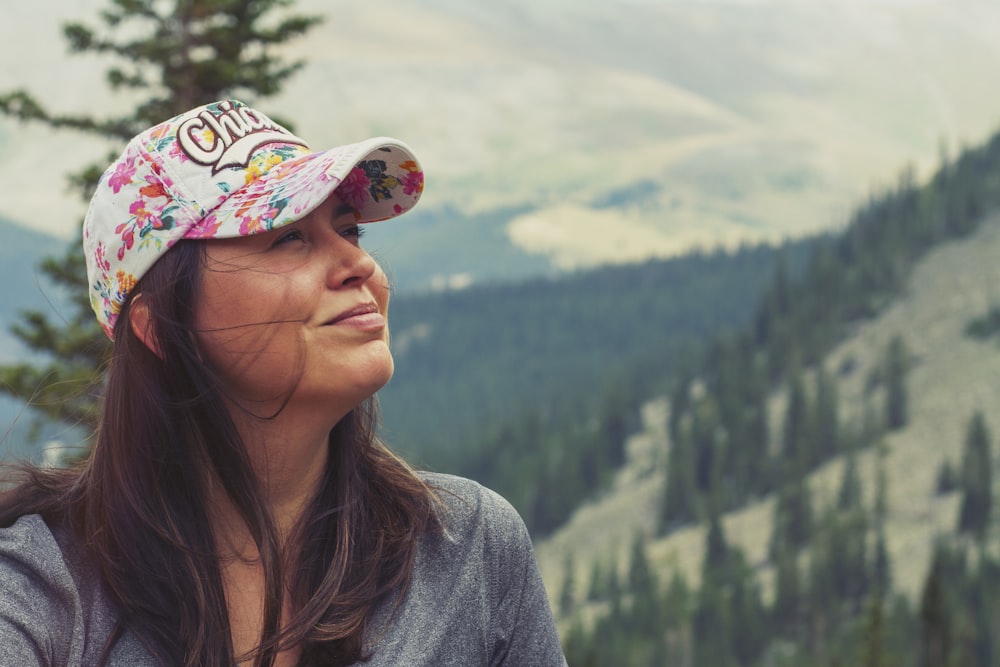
{"x": 220, "y": 171}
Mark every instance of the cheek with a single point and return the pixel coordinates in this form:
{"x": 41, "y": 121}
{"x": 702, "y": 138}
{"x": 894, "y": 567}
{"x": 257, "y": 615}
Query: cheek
{"x": 379, "y": 286}
{"x": 249, "y": 331}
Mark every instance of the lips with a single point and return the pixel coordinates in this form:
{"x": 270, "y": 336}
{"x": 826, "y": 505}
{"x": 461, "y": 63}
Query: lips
{"x": 360, "y": 312}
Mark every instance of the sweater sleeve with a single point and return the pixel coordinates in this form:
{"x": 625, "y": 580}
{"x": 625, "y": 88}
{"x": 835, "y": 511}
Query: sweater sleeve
{"x": 39, "y": 603}
{"x": 523, "y": 626}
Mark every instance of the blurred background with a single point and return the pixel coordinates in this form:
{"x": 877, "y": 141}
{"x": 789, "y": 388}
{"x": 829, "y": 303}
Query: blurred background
{"x": 707, "y": 288}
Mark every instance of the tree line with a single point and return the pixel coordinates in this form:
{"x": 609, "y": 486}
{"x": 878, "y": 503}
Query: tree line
{"x": 831, "y": 600}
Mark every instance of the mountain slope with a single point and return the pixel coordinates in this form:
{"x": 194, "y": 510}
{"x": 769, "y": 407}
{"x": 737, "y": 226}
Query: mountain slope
{"x": 952, "y": 376}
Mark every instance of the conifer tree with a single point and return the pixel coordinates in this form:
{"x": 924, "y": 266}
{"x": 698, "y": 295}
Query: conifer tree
{"x": 596, "y": 588}
{"x": 795, "y": 440}
{"x": 793, "y": 515}
{"x": 677, "y": 600}
{"x": 168, "y": 56}
{"x": 751, "y": 627}
{"x": 787, "y": 592}
{"x": 826, "y": 420}
{"x": 881, "y": 505}
{"x": 713, "y": 614}
{"x": 645, "y": 591}
{"x": 977, "y": 479}
{"x": 874, "y": 639}
{"x": 935, "y": 615}
{"x": 881, "y": 564}
{"x": 567, "y": 594}
{"x": 576, "y": 645}
{"x": 897, "y": 366}
{"x": 706, "y": 445}
{"x": 615, "y": 592}
{"x": 850, "y": 494}
{"x": 716, "y": 545}
{"x": 680, "y": 494}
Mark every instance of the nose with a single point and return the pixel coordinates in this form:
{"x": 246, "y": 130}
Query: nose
{"x": 350, "y": 264}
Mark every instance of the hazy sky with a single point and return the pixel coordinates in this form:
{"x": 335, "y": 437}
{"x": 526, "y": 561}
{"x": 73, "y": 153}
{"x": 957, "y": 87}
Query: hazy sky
{"x": 734, "y": 119}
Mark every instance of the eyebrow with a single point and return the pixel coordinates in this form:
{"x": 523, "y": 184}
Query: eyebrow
{"x": 344, "y": 209}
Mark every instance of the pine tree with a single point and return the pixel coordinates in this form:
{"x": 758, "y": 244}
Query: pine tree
{"x": 577, "y": 645}
{"x": 796, "y": 442}
{"x": 935, "y": 615}
{"x": 170, "y": 56}
{"x": 677, "y": 600}
{"x": 977, "y": 479}
{"x": 881, "y": 505}
{"x": 793, "y": 515}
{"x": 826, "y": 416}
{"x": 850, "y": 494}
{"x": 881, "y": 564}
{"x": 680, "y": 494}
{"x": 567, "y": 594}
{"x": 874, "y": 646}
{"x": 897, "y": 366}
{"x": 596, "y": 588}
{"x": 615, "y": 592}
{"x": 787, "y": 592}
{"x": 751, "y": 628}
{"x": 645, "y": 591}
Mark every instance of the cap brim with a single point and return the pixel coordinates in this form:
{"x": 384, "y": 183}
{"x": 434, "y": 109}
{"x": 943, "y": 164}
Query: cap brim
{"x": 379, "y": 177}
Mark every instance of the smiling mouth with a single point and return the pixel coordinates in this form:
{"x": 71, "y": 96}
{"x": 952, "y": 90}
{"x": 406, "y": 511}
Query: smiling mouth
{"x": 364, "y": 315}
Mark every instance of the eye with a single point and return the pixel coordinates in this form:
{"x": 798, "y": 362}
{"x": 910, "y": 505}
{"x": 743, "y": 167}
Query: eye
{"x": 293, "y": 234}
{"x": 352, "y": 231}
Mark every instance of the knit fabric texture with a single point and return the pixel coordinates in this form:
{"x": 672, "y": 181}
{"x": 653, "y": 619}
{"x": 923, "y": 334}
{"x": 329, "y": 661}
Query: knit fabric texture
{"x": 476, "y": 596}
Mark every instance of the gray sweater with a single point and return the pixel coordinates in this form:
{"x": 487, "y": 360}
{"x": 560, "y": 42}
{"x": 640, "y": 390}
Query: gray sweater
{"x": 475, "y": 598}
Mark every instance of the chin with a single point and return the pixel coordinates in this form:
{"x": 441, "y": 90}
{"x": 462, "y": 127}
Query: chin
{"x": 375, "y": 375}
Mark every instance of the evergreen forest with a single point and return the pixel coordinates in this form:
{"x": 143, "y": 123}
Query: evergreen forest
{"x": 829, "y": 598}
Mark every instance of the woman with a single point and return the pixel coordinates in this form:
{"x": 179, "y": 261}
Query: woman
{"x": 237, "y": 507}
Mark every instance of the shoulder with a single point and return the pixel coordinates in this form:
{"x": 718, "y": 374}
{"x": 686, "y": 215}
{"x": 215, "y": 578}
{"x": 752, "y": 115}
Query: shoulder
{"x": 480, "y": 581}
{"x": 39, "y": 601}
{"x": 466, "y": 507}
{"x": 53, "y": 609}
{"x": 481, "y": 532}
{"x": 31, "y": 560}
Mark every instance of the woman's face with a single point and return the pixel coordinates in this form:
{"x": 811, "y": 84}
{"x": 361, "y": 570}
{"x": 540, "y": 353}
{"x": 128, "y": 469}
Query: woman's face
{"x": 296, "y": 314}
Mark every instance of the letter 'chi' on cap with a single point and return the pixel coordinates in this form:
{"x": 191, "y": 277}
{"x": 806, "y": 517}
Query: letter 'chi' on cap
{"x": 220, "y": 171}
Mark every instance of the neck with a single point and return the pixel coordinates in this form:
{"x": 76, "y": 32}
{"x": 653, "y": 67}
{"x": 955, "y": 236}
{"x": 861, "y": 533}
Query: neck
{"x": 289, "y": 455}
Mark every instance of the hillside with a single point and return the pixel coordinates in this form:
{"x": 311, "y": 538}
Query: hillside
{"x": 953, "y": 376}
{"x": 487, "y": 355}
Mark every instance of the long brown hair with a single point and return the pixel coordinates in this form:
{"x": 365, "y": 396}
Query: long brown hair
{"x": 137, "y": 504}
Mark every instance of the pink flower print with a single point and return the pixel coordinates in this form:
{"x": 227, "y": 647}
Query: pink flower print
{"x": 141, "y": 213}
{"x": 176, "y": 153}
{"x": 128, "y": 239}
{"x": 101, "y": 260}
{"x": 254, "y": 224}
{"x": 354, "y": 189}
{"x": 397, "y": 209}
{"x": 206, "y": 229}
{"x": 413, "y": 182}
{"x": 122, "y": 175}
{"x": 248, "y": 225}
